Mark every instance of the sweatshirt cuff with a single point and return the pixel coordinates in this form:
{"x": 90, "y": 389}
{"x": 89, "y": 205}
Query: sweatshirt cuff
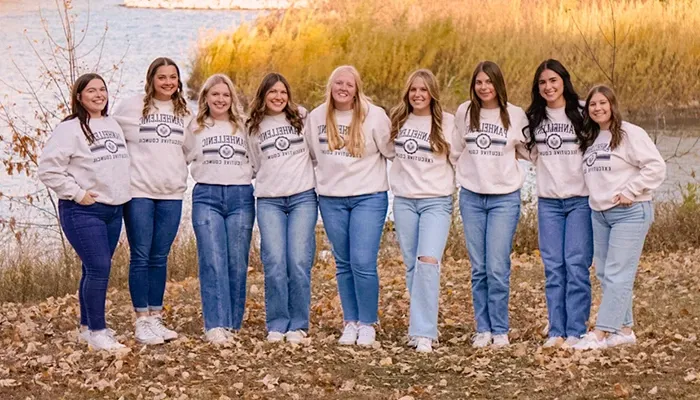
{"x": 628, "y": 193}
{"x": 79, "y": 195}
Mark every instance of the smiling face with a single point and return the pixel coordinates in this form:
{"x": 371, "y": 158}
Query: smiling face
{"x": 165, "y": 82}
{"x": 419, "y": 97}
{"x": 343, "y": 91}
{"x": 94, "y": 97}
{"x": 219, "y": 101}
{"x": 276, "y": 99}
{"x": 599, "y": 110}
{"x": 485, "y": 90}
{"x": 552, "y": 88}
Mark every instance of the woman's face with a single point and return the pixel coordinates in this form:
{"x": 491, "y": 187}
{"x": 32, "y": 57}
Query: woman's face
{"x": 219, "y": 101}
{"x": 94, "y": 97}
{"x": 276, "y": 99}
{"x": 485, "y": 90}
{"x": 599, "y": 110}
{"x": 552, "y": 88}
{"x": 165, "y": 82}
{"x": 343, "y": 91}
{"x": 419, "y": 97}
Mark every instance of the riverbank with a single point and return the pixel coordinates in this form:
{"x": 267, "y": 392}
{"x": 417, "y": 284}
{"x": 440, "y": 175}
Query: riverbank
{"x": 215, "y": 4}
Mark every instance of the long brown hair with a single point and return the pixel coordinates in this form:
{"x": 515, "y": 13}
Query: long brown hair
{"x": 78, "y": 110}
{"x": 399, "y": 114}
{"x": 235, "y": 114}
{"x": 179, "y": 102}
{"x": 591, "y": 129}
{"x": 494, "y": 73}
{"x": 355, "y": 145}
{"x": 258, "y": 107}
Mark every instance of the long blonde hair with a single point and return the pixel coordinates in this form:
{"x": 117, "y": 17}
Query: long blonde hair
{"x": 179, "y": 102}
{"x": 355, "y": 145}
{"x": 399, "y": 114}
{"x": 235, "y": 112}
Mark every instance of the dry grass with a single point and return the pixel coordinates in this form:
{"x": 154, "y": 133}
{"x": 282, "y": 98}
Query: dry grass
{"x": 649, "y": 53}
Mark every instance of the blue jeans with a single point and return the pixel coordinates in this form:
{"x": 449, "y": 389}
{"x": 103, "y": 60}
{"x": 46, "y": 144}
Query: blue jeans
{"x": 223, "y": 218}
{"x": 489, "y": 222}
{"x": 354, "y": 227}
{"x": 422, "y": 226}
{"x": 287, "y": 248}
{"x": 566, "y": 246}
{"x": 151, "y": 226}
{"x": 618, "y": 237}
{"x": 93, "y": 231}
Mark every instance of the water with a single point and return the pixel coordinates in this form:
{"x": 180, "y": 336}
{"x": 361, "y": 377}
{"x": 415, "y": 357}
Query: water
{"x": 136, "y": 36}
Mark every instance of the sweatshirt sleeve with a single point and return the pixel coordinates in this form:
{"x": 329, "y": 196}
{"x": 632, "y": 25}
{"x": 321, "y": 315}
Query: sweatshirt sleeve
{"x": 381, "y": 134}
{"x": 523, "y": 132}
{"x": 189, "y": 147}
{"x": 643, "y": 154}
{"x": 127, "y": 114}
{"x": 53, "y": 164}
{"x": 457, "y": 144}
{"x": 307, "y": 139}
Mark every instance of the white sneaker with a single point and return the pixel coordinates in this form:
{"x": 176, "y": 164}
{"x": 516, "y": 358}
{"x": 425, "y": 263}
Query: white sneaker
{"x": 103, "y": 340}
{"x": 500, "y": 341}
{"x": 144, "y": 334}
{"x": 159, "y": 328}
{"x": 216, "y": 336}
{"x": 349, "y": 336}
{"x": 481, "y": 339}
{"x": 84, "y": 334}
{"x": 412, "y": 341}
{"x": 295, "y": 336}
{"x": 275, "y": 337}
{"x": 571, "y": 341}
{"x": 553, "y": 342}
{"x": 620, "y": 339}
{"x": 590, "y": 341}
{"x": 366, "y": 335}
{"x": 424, "y": 345}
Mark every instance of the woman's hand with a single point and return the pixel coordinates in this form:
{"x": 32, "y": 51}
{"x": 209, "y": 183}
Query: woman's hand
{"x": 621, "y": 200}
{"x": 88, "y": 199}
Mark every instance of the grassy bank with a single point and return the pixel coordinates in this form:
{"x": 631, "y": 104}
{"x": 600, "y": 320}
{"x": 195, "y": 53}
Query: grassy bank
{"x": 29, "y": 274}
{"x": 647, "y": 49}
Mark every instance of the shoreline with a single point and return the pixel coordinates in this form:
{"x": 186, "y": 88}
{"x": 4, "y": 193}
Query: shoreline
{"x": 215, "y": 5}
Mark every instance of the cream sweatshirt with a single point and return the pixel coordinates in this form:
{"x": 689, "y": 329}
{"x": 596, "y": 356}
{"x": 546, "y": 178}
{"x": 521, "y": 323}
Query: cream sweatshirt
{"x": 338, "y": 173}
{"x": 217, "y": 155}
{"x": 158, "y": 166}
{"x": 417, "y": 172}
{"x": 634, "y": 169}
{"x": 70, "y": 166}
{"x": 485, "y": 160}
{"x": 281, "y": 159}
{"x": 557, "y": 158}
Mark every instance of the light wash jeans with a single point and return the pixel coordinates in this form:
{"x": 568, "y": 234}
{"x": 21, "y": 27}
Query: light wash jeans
{"x": 288, "y": 246}
{"x": 222, "y": 218}
{"x": 422, "y": 226}
{"x": 489, "y": 223}
{"x": 354, "y": 227}
{"x": 618, "y": 237}
{"x": 566, "y": 246}
{"x": 151, "y": 226}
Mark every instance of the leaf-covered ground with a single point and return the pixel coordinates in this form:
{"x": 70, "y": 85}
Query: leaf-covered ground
{"x": 40, "y": 359}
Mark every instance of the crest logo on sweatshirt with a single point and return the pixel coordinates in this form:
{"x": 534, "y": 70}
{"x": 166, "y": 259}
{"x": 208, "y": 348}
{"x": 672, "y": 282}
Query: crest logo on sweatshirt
{"x": 551, "y": 137}
{"x": 111, "y": 146}
{"x": 483, "y": 141}
{"x": 597, "y": 158}
{"x": 163, "y": 130}
{"x": 489, "y": 140}
{"x": 410, "y": 146}
{"x": 282, "y": 143}
{"x": 226, "y": 151}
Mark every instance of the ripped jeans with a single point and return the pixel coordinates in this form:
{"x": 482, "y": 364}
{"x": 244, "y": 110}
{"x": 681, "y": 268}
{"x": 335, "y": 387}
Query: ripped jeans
{"x": 422, "y": 226}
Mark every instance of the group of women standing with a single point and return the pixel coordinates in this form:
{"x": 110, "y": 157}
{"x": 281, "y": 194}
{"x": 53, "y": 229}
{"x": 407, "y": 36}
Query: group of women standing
{"x": 595, "y": 175}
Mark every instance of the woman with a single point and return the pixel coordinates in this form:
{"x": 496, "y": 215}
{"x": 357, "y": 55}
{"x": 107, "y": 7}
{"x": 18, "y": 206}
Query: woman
{"x": 223, "y": 207}
{"x": 287, "y": 207}
{"x": 621, "y": 168}
{"x": 564, "y": 217}
{"x": 489, "y": 134}
{"x": 155, "y": 126}
{"x": 349, "y": 138}
{"x": 422, "y": 180}
{"x": 86, "y": 163}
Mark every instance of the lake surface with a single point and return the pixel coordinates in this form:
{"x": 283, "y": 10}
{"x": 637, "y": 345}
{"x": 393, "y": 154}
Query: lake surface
{"x": 136, "y": 36}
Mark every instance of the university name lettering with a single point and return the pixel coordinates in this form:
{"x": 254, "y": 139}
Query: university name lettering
{"x": 279, "y": 131}
{"x": 342, "y": 129}
{"x": 223, "y": 139}
{"x": 414, "y": 134}
{"x": 492, "y": 128}
{"x": 99, "y": 135}
{"x": 162, "y": 118}
{"x": 558, "y": 127}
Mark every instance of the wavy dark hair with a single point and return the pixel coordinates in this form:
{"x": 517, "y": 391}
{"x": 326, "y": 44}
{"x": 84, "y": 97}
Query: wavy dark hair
{"x": 494, "y": 73}
{"x": 591, "y": 128}
{"x": 537, "y": 111}
{"x": 258, "y": 107}
{"x": 78, "y": 110}
{"x": 179, "y": 102}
